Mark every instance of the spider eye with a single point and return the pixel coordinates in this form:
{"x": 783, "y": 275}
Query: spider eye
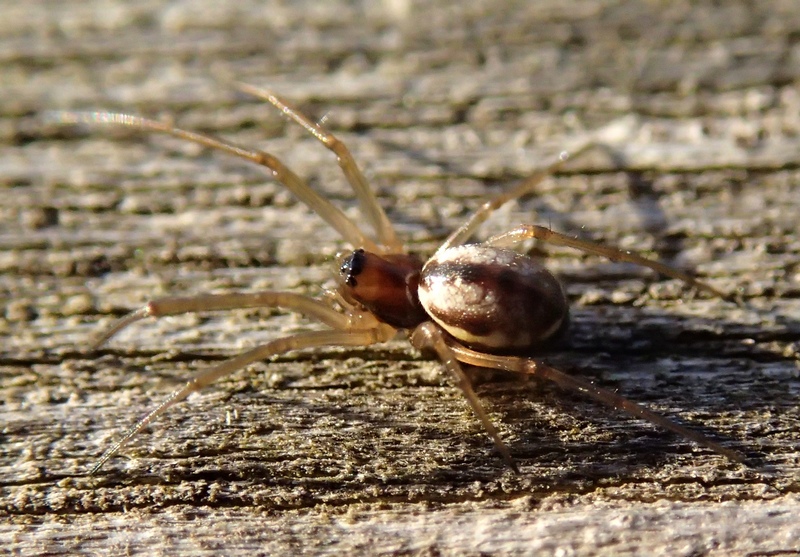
{"x": 352, "y": 266}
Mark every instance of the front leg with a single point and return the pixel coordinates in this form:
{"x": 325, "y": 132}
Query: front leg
{"x": 205, "y": 377}
{"x": 176, "y": 305}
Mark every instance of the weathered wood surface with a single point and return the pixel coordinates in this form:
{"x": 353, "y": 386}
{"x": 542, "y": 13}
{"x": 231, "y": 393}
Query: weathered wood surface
{"x": 371, "y": 451}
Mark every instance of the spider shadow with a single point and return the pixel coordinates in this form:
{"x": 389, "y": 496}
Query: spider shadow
{"x": 666, "y": 361}
{"x": 672, "y": 364}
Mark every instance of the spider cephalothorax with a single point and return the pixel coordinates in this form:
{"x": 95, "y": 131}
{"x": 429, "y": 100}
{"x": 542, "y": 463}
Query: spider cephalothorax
{"x": 386, "y": 286}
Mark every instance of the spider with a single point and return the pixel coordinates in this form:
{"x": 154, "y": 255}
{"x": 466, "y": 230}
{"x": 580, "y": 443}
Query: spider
{"x": 482, "y": 304}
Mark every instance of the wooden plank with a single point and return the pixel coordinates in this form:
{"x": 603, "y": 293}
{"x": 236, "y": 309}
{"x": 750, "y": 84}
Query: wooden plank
{"x": 373, "y": 451}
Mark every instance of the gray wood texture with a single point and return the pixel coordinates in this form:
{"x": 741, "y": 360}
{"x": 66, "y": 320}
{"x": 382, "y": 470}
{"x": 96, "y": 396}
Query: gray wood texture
{"x": 372, "y": 451}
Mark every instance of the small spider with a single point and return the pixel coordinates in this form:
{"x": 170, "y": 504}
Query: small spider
{"x": 480, "y": 304}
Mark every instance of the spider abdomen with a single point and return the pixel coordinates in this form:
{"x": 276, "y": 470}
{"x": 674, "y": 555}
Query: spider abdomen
{"x": 492, "y": 299}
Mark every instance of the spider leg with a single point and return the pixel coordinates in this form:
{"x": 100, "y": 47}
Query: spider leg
{"x": 331, "y": 214}
{"x": 428, "y": 335}
{"x": 310, "y": 307}
{"x": 205, "y": 377}
{"x": 612, "y": 133}
{"x": 526, "y": 231}
{"x": 366, "y": 197}
{"x": 571, "y": 383}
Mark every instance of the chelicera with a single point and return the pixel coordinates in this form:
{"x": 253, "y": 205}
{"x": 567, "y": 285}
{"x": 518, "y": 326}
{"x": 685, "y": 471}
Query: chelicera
{"x": 482, "y": 304}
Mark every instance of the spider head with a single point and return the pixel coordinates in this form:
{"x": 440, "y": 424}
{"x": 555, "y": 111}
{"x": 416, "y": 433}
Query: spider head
{"x": 384, "y": 285}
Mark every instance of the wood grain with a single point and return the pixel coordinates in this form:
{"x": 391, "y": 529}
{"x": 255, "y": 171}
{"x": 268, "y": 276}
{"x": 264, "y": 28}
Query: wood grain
{"x": 372, "y": 451}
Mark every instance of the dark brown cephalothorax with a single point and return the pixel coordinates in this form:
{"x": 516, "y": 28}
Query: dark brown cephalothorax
{"x": 479, "y": 304}
{"x": 386, "y": 286}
